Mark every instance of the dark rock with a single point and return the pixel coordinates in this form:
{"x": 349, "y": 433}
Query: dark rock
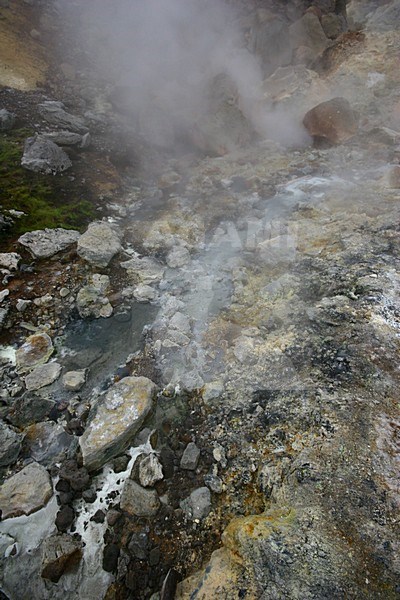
{"x": 60, "y": 554}
{"x": 65, "y": 497}
{"x": 98, "y": 517}
{"x": 334, "y": 121}
{"x": 7, "y": 120}
{"x": 120, "y": 463}
{"x": 110, "y": 557}
{"x": 44, "y": 156}
{"x": 10, "y": 445}
{"x": 28, "y": 409}
{"x": 167, "y": 458}
{"x": 62, "y": 486}
{"x": 190, "y": 457}
{"x": 214, "y": 483}
{"x": 65, "y": 517}
{"x": 139, "y": 501}
{"x": 77, "y": 477}
{"x": 89, "y": 495}
{"x": 270, "y": 41}
{"x": 139, "y": 545}
{"x": 112, "y": 517}
{"x": 154, "y": 557}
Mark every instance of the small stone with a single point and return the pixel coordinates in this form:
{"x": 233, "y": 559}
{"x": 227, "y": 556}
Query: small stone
{"x": 42, "y": 375}
{"x": 60, "y": 554}
{"x": 154, "y": 557}
{"x": 98, "y": 517}
{"x": 150, "y": 471}
{"x": 73, "y": 381}
{"x": 139, "y": 544}
{"x": 64, "y": 292}
{"x": 190, "y": 457}
{"x": 167, "y": 458}
{"x": 7, "y": 120}
{"x": 89, "y": 495}
{"x": 4, "y": 294}
{"x": 65, "y": 517}
{"x": 198, "y": 505}
{"x": 112, "y": 517}
{"x": 144, "y": 293}
{"x": 10, "y": 445}
{"x": 214, "y": 483}
{"x": 22, "y": 304}
{"x": 136, "y": 500}
{"x": 77, "y": 477}
{"x": 25, "y": 492}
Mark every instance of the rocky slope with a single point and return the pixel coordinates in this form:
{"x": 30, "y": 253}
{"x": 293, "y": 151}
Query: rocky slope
{"x": 199, "y": 348}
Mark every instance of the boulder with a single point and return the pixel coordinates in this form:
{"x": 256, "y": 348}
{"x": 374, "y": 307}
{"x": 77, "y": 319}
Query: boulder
{"x": 136, "y": 500}
{"x": 7, "y": 120}
{"x": 36, "y": 350}
{"x": 25, "y": 492}
{"x": 10, "y": 445}
{"x": 44, "y": 156}
{"x": 307, "y": 32}
{"x": 44, "y": 243}
{"x": 116, "y": 419}
{"x": 334, "y": 121}
{"x": 55, "y": 114}
{"x": 99, "y": 244}
{"x": 42, "y": 375}
{"x": 60, "y": 554}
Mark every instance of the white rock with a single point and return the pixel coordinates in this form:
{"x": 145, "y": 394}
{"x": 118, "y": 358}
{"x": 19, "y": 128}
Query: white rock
{"x": 99, "y": 244}
{"x": 9, "y": 260}
{"x": 44, "y": 243}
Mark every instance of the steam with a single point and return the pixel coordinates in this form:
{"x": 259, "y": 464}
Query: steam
{"x": 162, "y": 58}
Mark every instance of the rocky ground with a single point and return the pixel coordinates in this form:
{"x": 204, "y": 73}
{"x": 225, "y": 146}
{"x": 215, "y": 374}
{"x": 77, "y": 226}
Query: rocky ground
{"x": 199, "y": 359}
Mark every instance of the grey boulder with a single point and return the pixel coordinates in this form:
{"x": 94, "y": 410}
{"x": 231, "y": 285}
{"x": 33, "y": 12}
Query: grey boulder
{"x": 44, "y": 243}
{"x": 44, "y": 156}
{"x": 99, "y": 244}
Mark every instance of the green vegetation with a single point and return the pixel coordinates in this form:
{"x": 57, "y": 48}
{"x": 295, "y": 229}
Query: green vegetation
{"x": 40, "y": 197}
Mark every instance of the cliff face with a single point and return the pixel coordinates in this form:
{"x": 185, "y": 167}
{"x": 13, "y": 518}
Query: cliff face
{"x": 202, "y": 373}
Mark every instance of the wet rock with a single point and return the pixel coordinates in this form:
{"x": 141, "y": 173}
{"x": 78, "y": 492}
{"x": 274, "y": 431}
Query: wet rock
{"x": 150, "y": 471}
{"x": 64, "y": 518}
{"x": 9, "y": 260}
{"x": 178, "y": 257}
{"x": 77, "y": 477}
{"x": 44, "y": 243}
{"x": 198, "y": 505}
{"x": 119, "y": 415}
{"x": 7, "y": 120}
{"x": 10, "y": 445}
{"x": 139, "y": 501}
{"x": 60, "y": 554}
{"x": 44, "y": 156}
{"x": 47, "y": 442}
{"x": 190, "y": 457}
{"x": 73, "y": 381}
{"x": 25, "y": 492}
{"x": 4, "y": 294}
{"x": 110, "y": 557}
{"x": 308, "y": 32}
{"x": 99, "y": 244}
{"x": 35, "y": 351}
{"x": 42, "y": 375}
{"x": 334, "y": 121}
{"x": 55, "y": 114}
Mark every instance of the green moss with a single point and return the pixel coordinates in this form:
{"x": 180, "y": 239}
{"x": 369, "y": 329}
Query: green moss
{"x": 38, "y": 196}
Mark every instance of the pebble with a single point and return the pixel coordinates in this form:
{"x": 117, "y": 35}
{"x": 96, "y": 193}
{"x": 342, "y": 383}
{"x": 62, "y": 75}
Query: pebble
{"x": 190, "y": 457}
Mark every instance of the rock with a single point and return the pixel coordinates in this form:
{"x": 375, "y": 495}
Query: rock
{"x": 91, "y": 300}
{"x": 98, "y": 517}
{"x": 42, "y": 375}
{"x": 66, "y": 138}
{"x": 65, "y": 517}
{"x": 178, "y": 257}
{"x": 198, "y": 505}
{"x": 146, "y": 269}
{"x": 54, "y": 113}
{"x": 150, "y": 471}
{"x": 44, "y": 156}
{"x": 112, "y": 517}
{"x": 270, "y": 41}
{"x": 333, "y": 25}
{"x": 44, "y": 243}
{"x": 139, "y": 545}
{"x": 22, "y": 304}
{"x": 214, "y": 483}
{"x": 136, "y": 500}
{"x": 60, "y": 554}
{"x": 99, "y": 244}
{"x": 77, "y": 477}
{"x": 47, "y": 442}
{"x": 190, "y": 457}
{"x": 35, "y": 351}
{"x": 110, "y": 557}
{"x": 212, "y": 390}
{"x": 28, "y": 409}
{"x": 9, "y": 260}
{"x": 73, "y": 381}
{"x": 333, "y": 120}
{"x": 10, "y": 445}
{"x": 144, "y": 293}
{"x": 119, "y": 415}
{"x": 25, "y": 492}
{"x": 308, "y": 32}
{"x": 7, "y": 120}
{"x": 4, "y": 294}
